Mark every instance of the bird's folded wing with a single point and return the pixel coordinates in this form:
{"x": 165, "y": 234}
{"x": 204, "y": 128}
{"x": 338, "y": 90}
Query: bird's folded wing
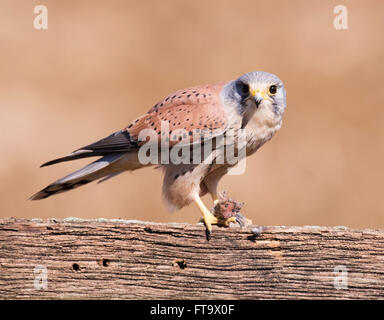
{"x": 186, "y": 116}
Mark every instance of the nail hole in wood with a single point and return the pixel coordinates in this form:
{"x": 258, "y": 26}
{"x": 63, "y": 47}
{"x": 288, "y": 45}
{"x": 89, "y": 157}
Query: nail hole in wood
{"x": 180, "y": 263}
{"x": 106, "y": 262}
{"x": 76, "y": 267}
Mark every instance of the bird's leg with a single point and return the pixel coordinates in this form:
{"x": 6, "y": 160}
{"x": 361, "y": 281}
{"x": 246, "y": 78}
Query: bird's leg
{"x": 215, "y": 198}
{"x": 208, "y": 218}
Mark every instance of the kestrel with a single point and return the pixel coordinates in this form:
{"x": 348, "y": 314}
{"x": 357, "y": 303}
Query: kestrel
{"x": 188, "y": 119}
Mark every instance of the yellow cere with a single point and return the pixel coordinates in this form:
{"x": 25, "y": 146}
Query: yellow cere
{"x": 261, "y": 92}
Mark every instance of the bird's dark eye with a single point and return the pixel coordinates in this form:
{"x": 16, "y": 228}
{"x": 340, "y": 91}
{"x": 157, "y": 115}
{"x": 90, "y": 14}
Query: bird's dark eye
{"x": 242, "y": 88}
{"x": 272, "y": 90}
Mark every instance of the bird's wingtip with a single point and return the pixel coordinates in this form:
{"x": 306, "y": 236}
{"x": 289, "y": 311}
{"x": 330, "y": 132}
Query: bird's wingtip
{"x": 48, "y": 163}
{"x": 37, "y": 196}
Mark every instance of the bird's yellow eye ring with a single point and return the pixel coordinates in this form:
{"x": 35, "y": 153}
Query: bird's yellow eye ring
{"x": 272, "y": 90}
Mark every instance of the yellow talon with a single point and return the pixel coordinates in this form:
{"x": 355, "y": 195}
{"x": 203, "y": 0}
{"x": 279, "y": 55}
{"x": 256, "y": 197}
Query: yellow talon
{"x": 208, "y": 218}
{"x": 229, "y": 220}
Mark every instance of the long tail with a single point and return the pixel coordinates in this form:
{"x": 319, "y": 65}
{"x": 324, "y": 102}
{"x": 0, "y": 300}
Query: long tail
{"x": 103, "y": 168}
{"x": 115, "y": 147}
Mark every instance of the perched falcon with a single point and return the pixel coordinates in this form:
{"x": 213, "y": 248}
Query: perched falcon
{"x": 252, "y": 105}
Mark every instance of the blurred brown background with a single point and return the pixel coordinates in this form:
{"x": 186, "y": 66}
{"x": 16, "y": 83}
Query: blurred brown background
{"x": 100, "y": 64}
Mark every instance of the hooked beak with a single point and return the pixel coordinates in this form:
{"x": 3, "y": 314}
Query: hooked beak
{"x": 258, "y": 99}
{"x": 259, "y": 95}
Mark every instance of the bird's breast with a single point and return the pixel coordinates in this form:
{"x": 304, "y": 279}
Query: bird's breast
{"x": 261, "y": 128}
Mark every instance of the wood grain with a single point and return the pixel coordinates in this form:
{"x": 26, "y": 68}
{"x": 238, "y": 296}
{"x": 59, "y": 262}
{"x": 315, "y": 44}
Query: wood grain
{"x": 117, "y": 259}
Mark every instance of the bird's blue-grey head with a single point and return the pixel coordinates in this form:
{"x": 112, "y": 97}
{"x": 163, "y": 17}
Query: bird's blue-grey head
{"x": 254, "y": 90}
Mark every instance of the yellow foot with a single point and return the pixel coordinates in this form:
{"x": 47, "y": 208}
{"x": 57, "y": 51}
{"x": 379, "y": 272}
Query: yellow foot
{"x": 226, "y": 222}
{"x": 208, "y": 218}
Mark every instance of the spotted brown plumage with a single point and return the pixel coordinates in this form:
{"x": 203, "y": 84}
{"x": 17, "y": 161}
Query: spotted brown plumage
{"x": 193, "y": 110}
{"x": 187, "y": 118}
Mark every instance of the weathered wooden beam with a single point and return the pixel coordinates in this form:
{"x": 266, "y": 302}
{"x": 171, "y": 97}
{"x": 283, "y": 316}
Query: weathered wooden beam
{"x": 117, "y": 259}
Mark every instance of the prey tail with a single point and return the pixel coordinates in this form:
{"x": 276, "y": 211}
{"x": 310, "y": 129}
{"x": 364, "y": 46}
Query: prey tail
{"x": 105, "y": 167}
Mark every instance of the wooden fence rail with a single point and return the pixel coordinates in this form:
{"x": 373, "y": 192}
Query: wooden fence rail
{"x": 118, "y": 259}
